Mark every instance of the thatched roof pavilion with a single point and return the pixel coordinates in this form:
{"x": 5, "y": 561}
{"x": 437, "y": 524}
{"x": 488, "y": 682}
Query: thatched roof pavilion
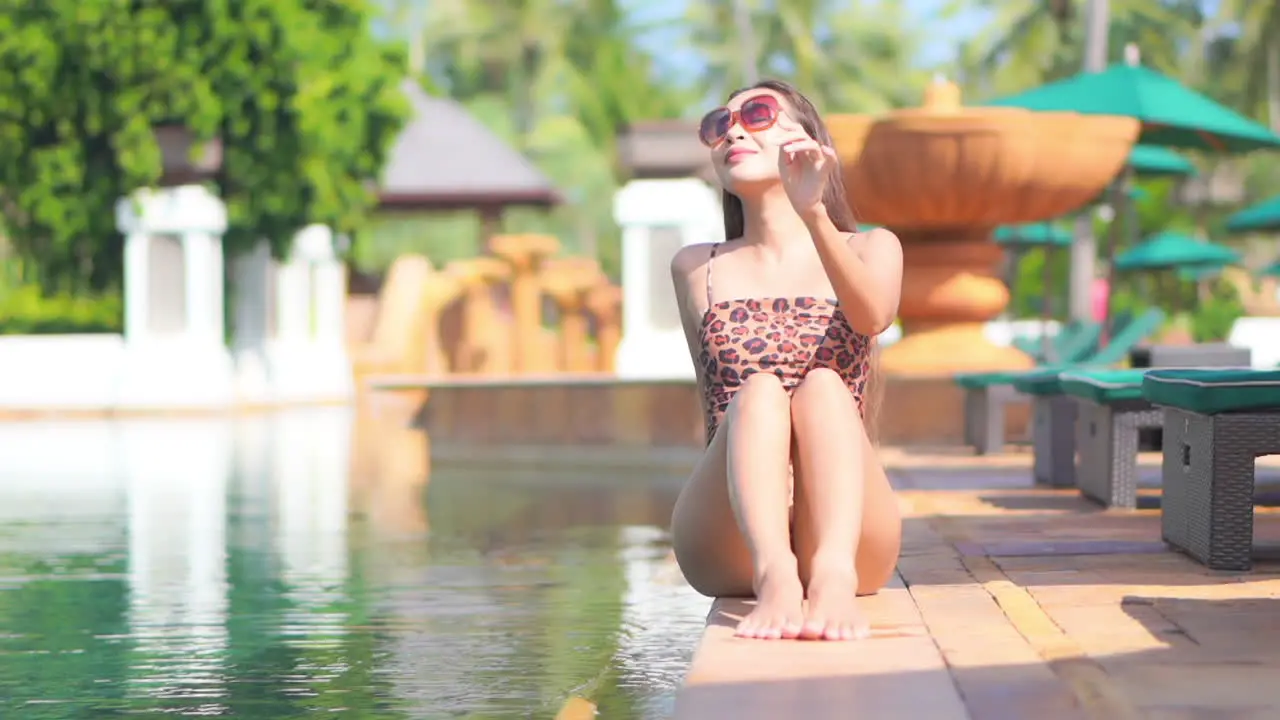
{"x": 445, "y": 159}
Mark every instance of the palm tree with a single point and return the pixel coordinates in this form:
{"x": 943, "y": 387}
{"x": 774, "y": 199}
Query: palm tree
{"x": 1031, "y": 42}
{"x": 1248, "y": 41}
{"x": 845, "y": 57}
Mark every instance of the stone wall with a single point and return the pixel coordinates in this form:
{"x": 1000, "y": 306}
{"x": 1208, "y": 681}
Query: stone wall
{"x": 595, "y": 410}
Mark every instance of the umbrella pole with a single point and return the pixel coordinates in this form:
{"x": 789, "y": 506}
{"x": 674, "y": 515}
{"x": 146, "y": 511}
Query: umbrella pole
{"x": 1046, "y": 307}
{"x": 1120, "y": 228}
{"x": 1013, "y": 263}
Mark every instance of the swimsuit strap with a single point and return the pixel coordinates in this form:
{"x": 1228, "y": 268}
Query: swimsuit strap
{"x": 709, "y": 259}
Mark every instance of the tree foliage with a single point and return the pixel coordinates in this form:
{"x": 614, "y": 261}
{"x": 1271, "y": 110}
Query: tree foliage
{"x": 305, "y": 100}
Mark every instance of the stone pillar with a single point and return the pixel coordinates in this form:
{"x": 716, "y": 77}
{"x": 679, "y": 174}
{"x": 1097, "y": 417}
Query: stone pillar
{"x": 658, "y": 217}
{"x": 174, "y": 328}
{"x": 604, "y": 302}
{"x": 526, "y": 254}
{"x": 441, "y": 290}
{"x": 567, "y": 282}
{"x": 484, "y": 347}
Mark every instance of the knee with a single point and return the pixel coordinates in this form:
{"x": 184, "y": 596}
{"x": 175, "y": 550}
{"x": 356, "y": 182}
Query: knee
{"x": 819, "y": 384}
{"x": 760, "y": 392}
{"x": 821, "y": 391}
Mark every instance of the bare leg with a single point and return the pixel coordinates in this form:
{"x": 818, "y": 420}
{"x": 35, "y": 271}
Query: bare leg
{"x": 731, "y": 525}
{"x": 848, "y": 530}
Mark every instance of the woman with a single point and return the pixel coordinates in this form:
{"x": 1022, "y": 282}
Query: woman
{"x": 789, "y": 502}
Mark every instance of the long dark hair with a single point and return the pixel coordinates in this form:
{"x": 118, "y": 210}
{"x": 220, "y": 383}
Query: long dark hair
{"x": 835, "y": 198}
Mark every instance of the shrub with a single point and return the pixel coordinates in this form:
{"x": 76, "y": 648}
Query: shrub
{"x": 27, "y": 311}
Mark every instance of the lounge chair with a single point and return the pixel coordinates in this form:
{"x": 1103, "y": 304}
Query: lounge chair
{"x": 1216, "y": 423}
{"x": 1110, "y": 411}
{"x": 986, "y": 394}
{"x": 1073, "y": 340}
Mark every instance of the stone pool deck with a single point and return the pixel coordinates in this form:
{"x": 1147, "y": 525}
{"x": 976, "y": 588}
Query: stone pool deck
{"x": 1013, "y": 603}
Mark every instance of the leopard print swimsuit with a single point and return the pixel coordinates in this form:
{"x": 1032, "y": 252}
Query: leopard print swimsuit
{"x": 785, "y": 336}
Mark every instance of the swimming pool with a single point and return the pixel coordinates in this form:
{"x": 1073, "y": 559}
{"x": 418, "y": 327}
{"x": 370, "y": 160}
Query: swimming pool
{"x": 259, "y": 568}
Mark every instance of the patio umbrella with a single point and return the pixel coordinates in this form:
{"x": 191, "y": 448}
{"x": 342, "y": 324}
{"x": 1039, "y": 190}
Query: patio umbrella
{"x": 1263, "y": 216}
{"x": 1172, "y": 115}
{"x": 1020, "y": 238}
{"x": 1170, "y": 250}
{"x": 1193, "y": 259}
{"x": 1155, "y": 161}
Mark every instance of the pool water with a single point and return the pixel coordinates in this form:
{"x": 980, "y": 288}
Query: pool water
{"x": 272, "y": 567}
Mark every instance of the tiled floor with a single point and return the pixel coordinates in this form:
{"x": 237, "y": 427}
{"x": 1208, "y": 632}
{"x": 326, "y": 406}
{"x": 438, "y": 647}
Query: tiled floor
{"x": 1018, "y": 603}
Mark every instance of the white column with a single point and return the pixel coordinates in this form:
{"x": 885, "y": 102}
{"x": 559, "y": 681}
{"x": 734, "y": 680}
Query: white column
{"x": 136, "y": 300}
{"x": 308, "y": 355}
{"x": 329, "y": 297}
{"x": 293, "y": 302}
{"x": 204, "y": 278}
{"x": 658, "y": 217}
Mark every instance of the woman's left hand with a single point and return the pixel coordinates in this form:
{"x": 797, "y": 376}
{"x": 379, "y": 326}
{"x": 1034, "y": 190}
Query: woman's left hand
{"x": 805, "y": 165}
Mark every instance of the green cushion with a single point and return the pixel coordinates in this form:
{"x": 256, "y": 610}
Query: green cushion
{"x": 976, "y": 381}
{"x": 1104, "y": 386}
{"x": 1040, "y": 382}
{"x": 1214, "y": 390}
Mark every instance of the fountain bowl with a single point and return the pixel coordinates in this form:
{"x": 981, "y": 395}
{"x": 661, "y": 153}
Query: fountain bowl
{"x": 983, "y": 167}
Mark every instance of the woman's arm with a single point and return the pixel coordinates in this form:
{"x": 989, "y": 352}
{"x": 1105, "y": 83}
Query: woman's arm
{"x": 689, "y": 276}
{"x": 867, "y": 278}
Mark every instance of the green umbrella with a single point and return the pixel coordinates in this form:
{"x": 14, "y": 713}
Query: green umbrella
{"x": 1263, "y": 216}
{"x": 1172, "y": 115}
{"x": 1033, "y": 235}
{"x": 1175, "y": 250}
{"x": 1154, "y": 161}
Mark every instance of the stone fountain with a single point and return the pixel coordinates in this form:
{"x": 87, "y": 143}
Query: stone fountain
{"x": 943, "y": 177}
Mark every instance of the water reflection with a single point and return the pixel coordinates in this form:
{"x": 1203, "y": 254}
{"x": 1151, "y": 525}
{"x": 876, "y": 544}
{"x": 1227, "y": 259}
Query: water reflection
{"x": 177, "y": 558}
{"x": 310, "y": 562}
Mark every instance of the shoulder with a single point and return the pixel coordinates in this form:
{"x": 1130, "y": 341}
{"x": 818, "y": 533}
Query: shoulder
{"x": 876, "y": 236}
{"x": 877, "y": 242}
{"x": 689, "y": 258}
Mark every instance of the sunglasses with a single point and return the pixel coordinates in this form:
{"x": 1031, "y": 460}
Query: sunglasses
{"x": 757, "y": 114}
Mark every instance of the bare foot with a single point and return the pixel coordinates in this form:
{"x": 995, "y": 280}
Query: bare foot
{"x": 833, "y": 613}
{"x": 779, "y": 611}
